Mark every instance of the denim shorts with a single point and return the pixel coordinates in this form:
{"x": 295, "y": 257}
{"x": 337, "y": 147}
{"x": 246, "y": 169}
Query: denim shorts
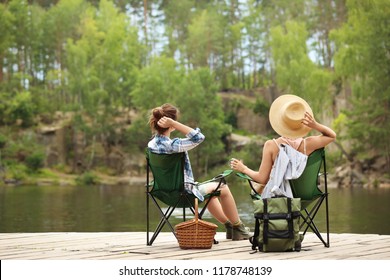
{"x": 203, "y": 188}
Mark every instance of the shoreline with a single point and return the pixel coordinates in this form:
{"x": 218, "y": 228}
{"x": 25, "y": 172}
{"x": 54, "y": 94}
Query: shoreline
{"x": 63, "y": 179}
{"x": 70, "y": 180}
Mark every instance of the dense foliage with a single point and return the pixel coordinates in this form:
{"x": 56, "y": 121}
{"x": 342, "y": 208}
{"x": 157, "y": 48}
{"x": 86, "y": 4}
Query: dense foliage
{"x": 96, "y": 59}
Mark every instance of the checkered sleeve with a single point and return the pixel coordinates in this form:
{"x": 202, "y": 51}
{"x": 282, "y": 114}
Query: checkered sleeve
{"x": 193, "y": 139}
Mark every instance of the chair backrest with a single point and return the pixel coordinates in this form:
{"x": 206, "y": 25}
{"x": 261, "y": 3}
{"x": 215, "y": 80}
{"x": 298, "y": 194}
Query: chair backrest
{"x": 306, "y": 186}
{"x": 168, "y": 175}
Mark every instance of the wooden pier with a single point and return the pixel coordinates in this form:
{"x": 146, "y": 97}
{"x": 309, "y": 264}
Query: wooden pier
{"x": 132, "y": 246}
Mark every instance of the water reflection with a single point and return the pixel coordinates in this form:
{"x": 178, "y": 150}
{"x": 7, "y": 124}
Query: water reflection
{"x": 122, "y": 208}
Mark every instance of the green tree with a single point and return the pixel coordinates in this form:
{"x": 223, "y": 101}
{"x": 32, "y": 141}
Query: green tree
{"x": 102, "y": 69}
{"x": 18, "y": 59}
{"x": 325, "y": 16}
{"x": 296, "y": 73}
{"x": 363, "y": 62}
{"x": 178, "y": 15}
{"x": 59, "y": 24}
{"x": 194, "y": 93}
{"x": 201, "y": 107}
{"x": 157, "y": 84}
{"x": 254, "y": 32}
{"x": 205, "y": 39}
{"x": 6, "y": 37}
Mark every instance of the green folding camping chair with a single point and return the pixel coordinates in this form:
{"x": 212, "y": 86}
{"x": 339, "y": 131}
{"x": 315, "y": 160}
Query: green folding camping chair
{"x": 307, "y": 188}
{"x": 312, "y": 197}
{"x": 167, "y": 187}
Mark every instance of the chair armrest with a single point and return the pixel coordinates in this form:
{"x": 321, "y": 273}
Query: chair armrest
{"x": 244, "y": 176}
{"x": 223, "y": 174}
{"x": 254, "y": 194}
{"x": 219, "y": 177}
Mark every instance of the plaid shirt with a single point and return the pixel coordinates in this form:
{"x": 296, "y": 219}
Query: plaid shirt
{"x": 161, "y": 144}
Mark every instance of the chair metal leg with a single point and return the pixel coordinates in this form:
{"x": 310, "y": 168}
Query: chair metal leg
{"x": 327, "y": 221}
{"x": 147, "y": 219}
{"x": 326, "y": 201}
{"x": 308, "y": 221}
{"x": 164, "y": 220}
{"x": 161, "y": 224}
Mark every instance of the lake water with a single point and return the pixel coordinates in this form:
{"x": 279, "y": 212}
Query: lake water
{"x": 122, "y": 208}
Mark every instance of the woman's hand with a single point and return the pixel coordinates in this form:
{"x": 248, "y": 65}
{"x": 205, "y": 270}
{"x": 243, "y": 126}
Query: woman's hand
{"x": 309, "y": 120}
{"x": 237, "y": 165}
{"x": 165, "y": 122}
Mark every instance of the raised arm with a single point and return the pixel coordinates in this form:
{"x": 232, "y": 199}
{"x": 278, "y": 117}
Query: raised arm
{"x": 166, "y": 122}
{"x": 315, "y": 142}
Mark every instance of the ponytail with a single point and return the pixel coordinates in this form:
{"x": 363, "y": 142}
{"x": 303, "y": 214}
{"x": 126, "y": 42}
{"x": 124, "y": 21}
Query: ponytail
{"x": 166, "y": 110}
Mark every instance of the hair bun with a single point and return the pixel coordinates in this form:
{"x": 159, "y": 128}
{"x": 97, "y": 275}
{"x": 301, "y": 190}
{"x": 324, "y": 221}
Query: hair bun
{"x": 158, "y": 113}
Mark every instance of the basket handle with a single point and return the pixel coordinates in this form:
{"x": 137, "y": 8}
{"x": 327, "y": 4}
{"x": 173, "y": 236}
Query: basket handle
{"x": 196, "y": 209}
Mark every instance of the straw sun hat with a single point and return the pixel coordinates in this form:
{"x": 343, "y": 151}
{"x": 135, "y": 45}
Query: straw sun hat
{"x": 286, "y": 114}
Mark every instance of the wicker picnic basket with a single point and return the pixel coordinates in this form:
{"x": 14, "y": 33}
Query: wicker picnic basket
{"x": 195, "y": 234}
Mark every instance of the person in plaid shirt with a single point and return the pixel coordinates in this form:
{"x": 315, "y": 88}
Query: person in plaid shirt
{"x": 163, "y": 120}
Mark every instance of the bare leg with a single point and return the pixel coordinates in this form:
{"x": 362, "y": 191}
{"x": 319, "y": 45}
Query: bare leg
{"x": 229, "y": 205}
{"x": 223, "y": 209}
{"x": 215, "y": 209}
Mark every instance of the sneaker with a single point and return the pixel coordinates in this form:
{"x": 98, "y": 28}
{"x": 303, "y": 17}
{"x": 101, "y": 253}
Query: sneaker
{"x": 229, "y": 230}
{"x": 241, "y": 232}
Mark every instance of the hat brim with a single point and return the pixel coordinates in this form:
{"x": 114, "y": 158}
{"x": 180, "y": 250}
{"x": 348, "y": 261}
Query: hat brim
{"x": 275, "y": 117}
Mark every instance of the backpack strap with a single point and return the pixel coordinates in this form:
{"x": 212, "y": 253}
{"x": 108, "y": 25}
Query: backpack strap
{"x": 289, "y": 219}
{"x": 254, "y": 239}
{"x": 266, "y": 220}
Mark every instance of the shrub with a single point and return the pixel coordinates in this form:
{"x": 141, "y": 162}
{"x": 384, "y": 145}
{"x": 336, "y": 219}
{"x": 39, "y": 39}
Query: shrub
{"x": 3, "y": 141}
{"x": 35, "y": 161}
{"x": 87, "y": 178}
{"x": 16, "y": 172}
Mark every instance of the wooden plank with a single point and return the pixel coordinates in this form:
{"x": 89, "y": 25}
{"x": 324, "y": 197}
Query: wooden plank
{"x": 131, "y": 245}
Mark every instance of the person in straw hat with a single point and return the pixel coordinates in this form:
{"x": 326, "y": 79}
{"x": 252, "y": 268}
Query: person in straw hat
{"x": 163, "y": 121}
{"x": 292, "y": 118}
